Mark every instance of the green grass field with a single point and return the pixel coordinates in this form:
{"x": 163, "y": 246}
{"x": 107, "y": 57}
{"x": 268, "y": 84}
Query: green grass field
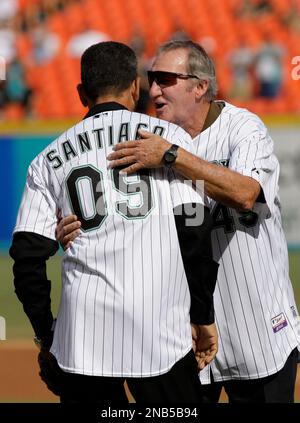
{"x": 17, "y": 325}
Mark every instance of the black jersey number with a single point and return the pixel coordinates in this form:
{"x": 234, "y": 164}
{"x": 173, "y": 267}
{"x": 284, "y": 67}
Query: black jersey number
{"x": 138, "y": 201}
{"x": 85, "y": 186}
{"x": 223, "y": 218}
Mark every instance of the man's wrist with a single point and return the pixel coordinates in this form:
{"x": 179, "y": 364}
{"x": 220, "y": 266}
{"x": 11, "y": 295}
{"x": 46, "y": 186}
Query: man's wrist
{"x": 44, "y": 341}
{"x": 170, "y": 155}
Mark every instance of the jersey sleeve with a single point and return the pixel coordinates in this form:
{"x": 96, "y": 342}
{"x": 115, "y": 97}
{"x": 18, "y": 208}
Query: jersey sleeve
{"x": 252, "y": 155}
{"x": 37, "y": 212}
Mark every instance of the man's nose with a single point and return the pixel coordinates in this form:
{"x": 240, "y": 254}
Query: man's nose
{"x": 155, "y": 90}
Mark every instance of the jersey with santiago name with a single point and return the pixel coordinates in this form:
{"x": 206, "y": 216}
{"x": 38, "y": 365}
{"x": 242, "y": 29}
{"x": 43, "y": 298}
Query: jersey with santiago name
{"x": 255, "y": 309}
{"x": 125, "y": 301}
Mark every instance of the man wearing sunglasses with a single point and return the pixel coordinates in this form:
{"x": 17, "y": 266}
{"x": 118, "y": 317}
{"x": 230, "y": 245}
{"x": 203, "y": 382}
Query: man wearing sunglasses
{"x": 256, "y": 314}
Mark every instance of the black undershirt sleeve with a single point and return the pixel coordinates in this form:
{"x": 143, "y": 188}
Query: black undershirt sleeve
{"x": 30, "y": 252}
{"x": 200, "y": 268}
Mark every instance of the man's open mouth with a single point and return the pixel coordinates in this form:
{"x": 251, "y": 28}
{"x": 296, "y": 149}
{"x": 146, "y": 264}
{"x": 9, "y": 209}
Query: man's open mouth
{"x": 159, "y": 106}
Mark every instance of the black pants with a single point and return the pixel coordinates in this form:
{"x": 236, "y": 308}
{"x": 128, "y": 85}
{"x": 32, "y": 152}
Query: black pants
{"x": 180, "y": 385}
{"x": 278, "y": 387}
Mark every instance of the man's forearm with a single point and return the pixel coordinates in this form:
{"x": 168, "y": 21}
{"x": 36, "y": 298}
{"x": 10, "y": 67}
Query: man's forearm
{"x": 30, "y": 252}
{"x": 222, "y": 184}
{"x": 200, "y": 268}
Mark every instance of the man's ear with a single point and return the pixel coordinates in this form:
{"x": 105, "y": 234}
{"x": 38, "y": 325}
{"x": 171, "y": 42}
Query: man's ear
{"x": 201, "y": 89}
{"x": 135, "y": 89}
{"x": 82, "y": 95}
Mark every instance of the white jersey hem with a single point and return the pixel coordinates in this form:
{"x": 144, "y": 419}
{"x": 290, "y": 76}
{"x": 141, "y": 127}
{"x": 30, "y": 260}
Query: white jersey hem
{"x": 33, "y": 229}
{"x": 123, "y": 374}
{"x": 253, "y": 376}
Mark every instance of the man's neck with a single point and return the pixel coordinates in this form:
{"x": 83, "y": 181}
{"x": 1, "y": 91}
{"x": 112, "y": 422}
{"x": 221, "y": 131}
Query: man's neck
{"x": 195, "y": 123}
{"x": 123, "y": 100}
{"x": 206, "y": 117}
{"x": 104, "y": 107}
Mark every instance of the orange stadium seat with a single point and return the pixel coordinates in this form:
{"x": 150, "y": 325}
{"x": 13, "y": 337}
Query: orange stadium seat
{"x": 157, "y": 27}
{"x": 14, "y": 112}
{"x": 57, "y": 24}
{"x": 73, "y": 18}
{"x": 24, "y": 4}
{"x": 117, "y": 19}
{"x": 23, "y": 47}
{"x": 95, "y": 17}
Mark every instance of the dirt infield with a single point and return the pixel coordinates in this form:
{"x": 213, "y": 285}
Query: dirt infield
{"x": 19, "y": 379}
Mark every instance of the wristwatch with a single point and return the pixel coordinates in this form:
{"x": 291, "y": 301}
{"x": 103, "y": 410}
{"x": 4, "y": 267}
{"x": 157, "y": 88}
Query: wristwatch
{"x": 170, "y": 155}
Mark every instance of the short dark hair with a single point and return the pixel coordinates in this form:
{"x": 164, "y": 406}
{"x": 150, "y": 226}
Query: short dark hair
{"x": 107, "y": 67}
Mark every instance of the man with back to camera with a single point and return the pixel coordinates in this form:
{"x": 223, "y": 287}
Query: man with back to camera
{"x": 256, "y": 313}
{"x": 125, "y": 309}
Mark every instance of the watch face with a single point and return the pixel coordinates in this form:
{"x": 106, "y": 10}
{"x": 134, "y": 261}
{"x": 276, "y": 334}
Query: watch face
{"x": 170, "y": 157}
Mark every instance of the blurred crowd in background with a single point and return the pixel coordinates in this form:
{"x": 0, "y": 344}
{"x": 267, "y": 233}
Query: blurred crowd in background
{"x": 251, "y": 41}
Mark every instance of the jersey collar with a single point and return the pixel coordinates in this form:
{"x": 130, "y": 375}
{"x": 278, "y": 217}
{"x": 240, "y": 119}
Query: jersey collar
{"x": 214, "y": 112}
{"x": 104, "y": 107}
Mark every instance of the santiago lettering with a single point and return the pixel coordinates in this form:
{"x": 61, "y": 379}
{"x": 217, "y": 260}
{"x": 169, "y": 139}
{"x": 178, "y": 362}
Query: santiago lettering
{"x": 95, "y": 139}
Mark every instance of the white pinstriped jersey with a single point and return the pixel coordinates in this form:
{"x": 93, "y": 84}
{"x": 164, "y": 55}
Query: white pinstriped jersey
{"x": 125, "y": 302}
{"x": 255, "y": 309}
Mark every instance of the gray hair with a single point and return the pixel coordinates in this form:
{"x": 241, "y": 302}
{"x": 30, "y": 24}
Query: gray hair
{"x": 199, "y": 63}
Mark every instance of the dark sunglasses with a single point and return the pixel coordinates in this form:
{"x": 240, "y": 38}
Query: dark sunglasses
{"x": 167, "y": 78}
